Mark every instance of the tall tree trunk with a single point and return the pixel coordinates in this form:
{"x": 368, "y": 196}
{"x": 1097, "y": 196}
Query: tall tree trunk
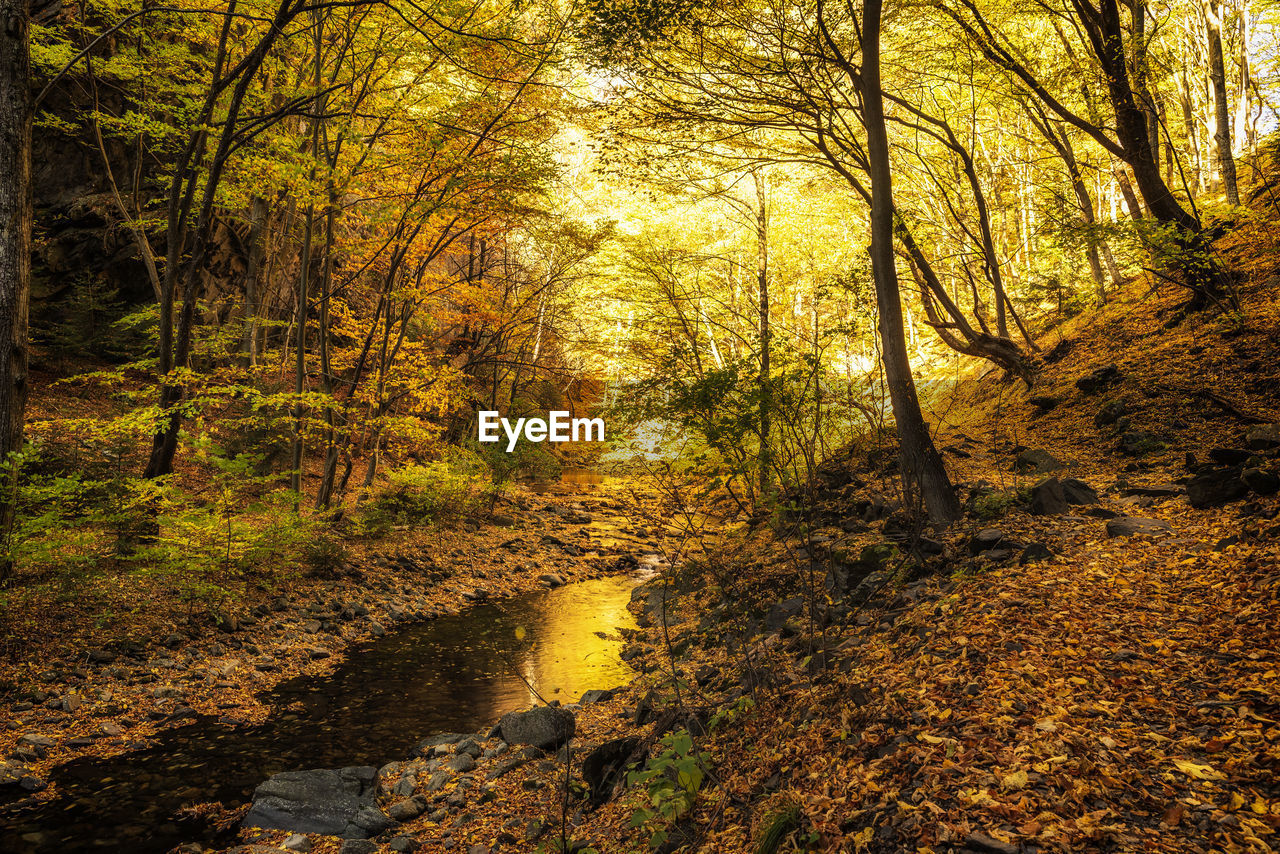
{"x": 922, "y": 466}
{"x": 1240, "y": 139}
{"x": 304, "y": 281}
{"x": 766, "y": 331}
{"x": 1221, "y": 110}
{"x": 15, "y": 247}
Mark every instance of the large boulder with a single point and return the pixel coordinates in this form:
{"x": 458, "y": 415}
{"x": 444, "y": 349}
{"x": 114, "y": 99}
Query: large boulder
{"x": 1048, "y": 498}
{"x": 333, "y": 802}
{"x": 1213, "y": 487}
{"x": 546, "y": 727}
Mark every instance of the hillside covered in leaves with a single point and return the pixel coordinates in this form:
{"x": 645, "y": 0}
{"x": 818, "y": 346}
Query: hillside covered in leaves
{"x": 917, "y": 367}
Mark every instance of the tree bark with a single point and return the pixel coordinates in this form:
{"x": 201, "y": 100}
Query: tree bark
{"x": 922, "y": 466}
{"x": 15, "y": 247}
{"x": 1221, "y": 110}
{"x": 762, "y": 288}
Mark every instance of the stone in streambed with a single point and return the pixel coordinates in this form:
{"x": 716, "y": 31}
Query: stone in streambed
{"x": 546, "y": 727}
{"x": 334, "y": 802}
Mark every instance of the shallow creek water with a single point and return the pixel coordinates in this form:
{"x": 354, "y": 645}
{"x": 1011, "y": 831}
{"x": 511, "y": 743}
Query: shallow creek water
{"x": 452, "y": 674}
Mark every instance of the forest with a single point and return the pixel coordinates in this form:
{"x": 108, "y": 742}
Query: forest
{"x": 640, "y": 426}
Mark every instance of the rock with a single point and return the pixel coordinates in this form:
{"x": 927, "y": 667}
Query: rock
{"x": 358, "y": 846}
{"x": 403, "y": 844}
{"x": 1036, "y": 461}
{"x": 1139, "y": 443}
{"x": 657, "y": 604}
{"x": 333, "y": 802}
{"x": 985, "y": 540}
{"x": 596, "y": 695}
{"x": 506, "y": 766}
{"x": 1034, "y": 553}
{"x": 427, "y": 746}
{"x": 1229, "y": 456}
{"x": 462, "y": 762}
{"x": 1127, "y": 526}
{"x": 101, "y": 656}
{"x": 1213, "y": 487}
{"x": 1159, "y": 490}
{"x": 406, "y": 809}
{"x": 781, "y": 612}
{"x": 551, "y": 580}
{"x": 226, "y": 621}
{"x": 297, "y": 842}
{"x": 1261, "y": 481}
{"x": 546, "y": 727}
{"x": 1264, "y": 437}
{"x": 1045, "y": 402}
{"x": 1110, "y": 412}
{"x": 35, "y": 746}
{"x": 1099, "y": 380}
{"x": 604, "y": 767}
{"x": 1048, "y": 498}
{"x": 11, "y": 773}
{"x": 502, "y": 520}
{"x": 469, "y": 746}
{"x": 1076, "y": 491}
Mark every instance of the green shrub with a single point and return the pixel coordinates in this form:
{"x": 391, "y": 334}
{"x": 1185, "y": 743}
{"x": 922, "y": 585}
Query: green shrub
{"x": 994, "y": 505}
{"x": 324, "y": 556}
{"x": 443, "y": 491}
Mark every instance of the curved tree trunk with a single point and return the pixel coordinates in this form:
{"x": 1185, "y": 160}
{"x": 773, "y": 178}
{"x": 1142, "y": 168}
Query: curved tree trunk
{"x": 922, "y": 466}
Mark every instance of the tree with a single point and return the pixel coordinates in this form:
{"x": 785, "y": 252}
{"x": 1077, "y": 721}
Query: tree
{"x": 1103, "y": 31}
{"x": 922, "y": 465}
{"x": 15, "y": 245}
{"x": 1221, "y": 110}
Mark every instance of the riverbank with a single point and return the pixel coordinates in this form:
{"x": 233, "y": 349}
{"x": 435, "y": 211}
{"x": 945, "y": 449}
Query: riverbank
{"x": 1086, "y": 662}
{"x": 70, "y": 701}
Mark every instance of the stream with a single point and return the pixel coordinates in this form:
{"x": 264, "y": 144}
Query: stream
{"x": 452, "y": 674}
